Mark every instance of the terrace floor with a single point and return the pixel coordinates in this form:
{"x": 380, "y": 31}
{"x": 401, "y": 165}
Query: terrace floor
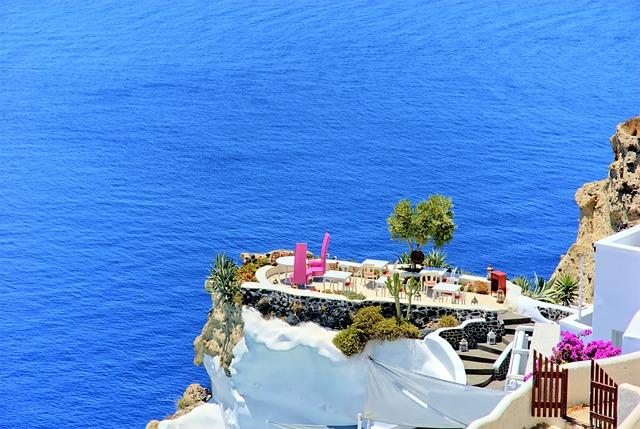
{"x": 368, "y": 288}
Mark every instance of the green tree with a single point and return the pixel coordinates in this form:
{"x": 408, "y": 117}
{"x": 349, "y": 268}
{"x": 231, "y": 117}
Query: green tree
{"x": 427, "y": 221}
{"x": 401, "y": 223}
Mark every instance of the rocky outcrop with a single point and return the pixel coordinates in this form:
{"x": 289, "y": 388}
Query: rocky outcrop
{"x": 193, "y": 396}
{"x": 220, "y": 334}
{"x": 607, "y": 206}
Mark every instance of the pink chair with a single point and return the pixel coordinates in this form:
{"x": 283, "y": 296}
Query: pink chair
{"x": 301, "y": 273}
{"x": 319, "y": 266}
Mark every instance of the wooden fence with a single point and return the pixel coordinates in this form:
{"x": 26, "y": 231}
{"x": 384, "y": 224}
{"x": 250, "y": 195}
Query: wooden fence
{"x": 549, "y": 395}
{"x": 603, "y": 405}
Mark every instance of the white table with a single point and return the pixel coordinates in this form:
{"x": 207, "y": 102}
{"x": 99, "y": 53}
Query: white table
{"x": 441, "y": 287}
{"x": 336, "y": 277}
{"x": 286, "y": 262}
{"x": 375, "y": 264}
{"x": 349, "y": 265}
{"x": 433, "y": 272}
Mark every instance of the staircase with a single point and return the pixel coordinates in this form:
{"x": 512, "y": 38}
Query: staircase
{"x": 478, "y": 363}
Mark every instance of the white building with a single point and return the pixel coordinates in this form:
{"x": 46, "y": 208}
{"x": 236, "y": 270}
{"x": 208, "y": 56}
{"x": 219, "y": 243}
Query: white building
{"x": 616, "y": 309}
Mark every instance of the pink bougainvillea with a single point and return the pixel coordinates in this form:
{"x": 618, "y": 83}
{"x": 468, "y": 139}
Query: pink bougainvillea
{"x": 572, "y": 348}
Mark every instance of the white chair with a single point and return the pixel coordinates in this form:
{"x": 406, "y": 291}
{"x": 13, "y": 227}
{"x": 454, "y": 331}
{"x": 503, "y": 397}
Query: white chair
{"x": 381, "y": 283}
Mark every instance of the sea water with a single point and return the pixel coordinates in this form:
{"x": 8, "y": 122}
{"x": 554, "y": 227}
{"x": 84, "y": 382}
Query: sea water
{"x": 139, "y": 138}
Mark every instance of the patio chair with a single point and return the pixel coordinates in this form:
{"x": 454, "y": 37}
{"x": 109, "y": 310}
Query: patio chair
{"x": 381, "y": 285}
{"x": 301, "y": 274}
{"x": 319, "y": 266}
{"x": 459, "y": 297}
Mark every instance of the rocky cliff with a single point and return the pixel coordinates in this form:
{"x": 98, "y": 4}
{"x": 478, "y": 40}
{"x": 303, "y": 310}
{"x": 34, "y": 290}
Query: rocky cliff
{"x": 608, "y": 205}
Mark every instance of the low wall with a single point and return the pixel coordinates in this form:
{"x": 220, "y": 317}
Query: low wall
{"x": 475, "y": 331}
{"x": 554, "y": 312}
{"x": 501, "y": 365}
{"x": 337, "y": 313}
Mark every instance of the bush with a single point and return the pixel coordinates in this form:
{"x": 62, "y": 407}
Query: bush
{"x": 447, "y": 321}
{"x": 247, "y": 272}
{"x": 366, "y": 319}
{"x": 369, "y": 324}
{"x": 389, "y": 329}
{"x": 353, "y": 295}
{"x": 479, "y": 287}
{"x": 350, "y": 341}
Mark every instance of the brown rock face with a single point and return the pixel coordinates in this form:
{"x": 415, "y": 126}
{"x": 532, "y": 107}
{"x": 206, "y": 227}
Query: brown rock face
{"x": 608, "y": 205}
{"x": 193, "y": 396}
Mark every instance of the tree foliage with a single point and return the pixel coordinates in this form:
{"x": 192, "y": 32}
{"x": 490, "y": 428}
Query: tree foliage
{"x": 428, "y": 221}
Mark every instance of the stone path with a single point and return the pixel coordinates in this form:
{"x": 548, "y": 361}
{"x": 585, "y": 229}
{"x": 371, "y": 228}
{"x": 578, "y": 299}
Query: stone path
{"x": 478, "y": 363}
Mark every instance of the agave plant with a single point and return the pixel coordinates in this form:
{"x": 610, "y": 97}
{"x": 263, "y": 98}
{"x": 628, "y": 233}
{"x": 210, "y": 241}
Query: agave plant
{"x": 565, "y": 290}
{"x": 436, "y": 258}
{"x": 540, "y": 289}
{"x": 223, "y": 276}
{"x": 522, "y": 281}
{"x": 404, "y": 258}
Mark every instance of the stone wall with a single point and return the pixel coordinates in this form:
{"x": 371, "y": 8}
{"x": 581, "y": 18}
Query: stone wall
{"x": 338, "y": 313}
{"x": 500, "y": 373}
{"x": 553, "y": 314}
{"x": 475, "y": 332}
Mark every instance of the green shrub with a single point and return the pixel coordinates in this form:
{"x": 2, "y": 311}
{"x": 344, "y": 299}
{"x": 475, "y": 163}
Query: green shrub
{"x": 350, "y": 341}
{"x": 247, "y": 272}
{"x": 353, "y": 295}
{"x": 366, "y": 319}
{"x": 447, "y": 321}
{"x": 389, "y": 329}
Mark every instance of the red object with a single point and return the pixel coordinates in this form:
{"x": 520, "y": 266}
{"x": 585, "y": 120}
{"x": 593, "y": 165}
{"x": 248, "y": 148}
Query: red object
{"x": 498, "y": 281}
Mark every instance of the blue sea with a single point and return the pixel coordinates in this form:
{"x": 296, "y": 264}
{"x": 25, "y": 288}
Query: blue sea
{"x": 140, "y": 138}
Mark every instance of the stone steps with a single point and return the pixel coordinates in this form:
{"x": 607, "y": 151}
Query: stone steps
{"x": 477, "y": 355}
{"x": 479, "y": 380}
{"x": 496, "y": 350}
{"x": 478, "y": 368}
{"x": 513, "y": 319}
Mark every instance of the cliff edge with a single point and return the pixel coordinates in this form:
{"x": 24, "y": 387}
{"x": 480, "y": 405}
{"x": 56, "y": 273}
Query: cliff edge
{"x": 607, "y": 206}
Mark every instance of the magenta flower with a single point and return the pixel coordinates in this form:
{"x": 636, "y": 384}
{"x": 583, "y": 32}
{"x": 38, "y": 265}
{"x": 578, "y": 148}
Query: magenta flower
{"x": 571, "y": 348}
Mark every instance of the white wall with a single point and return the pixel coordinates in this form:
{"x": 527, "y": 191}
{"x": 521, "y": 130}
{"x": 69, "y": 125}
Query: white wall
{"x": 631, "y": 339}
{"x": 573, "y": 323}
{"x": 617, "y": 283}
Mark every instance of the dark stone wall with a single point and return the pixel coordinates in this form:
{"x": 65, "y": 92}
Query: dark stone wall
{"x": 338, "y": 313}
{"x": 475, "y": 333}
{"x": 553, "y": 314}
{"x": 501, "y": 372}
